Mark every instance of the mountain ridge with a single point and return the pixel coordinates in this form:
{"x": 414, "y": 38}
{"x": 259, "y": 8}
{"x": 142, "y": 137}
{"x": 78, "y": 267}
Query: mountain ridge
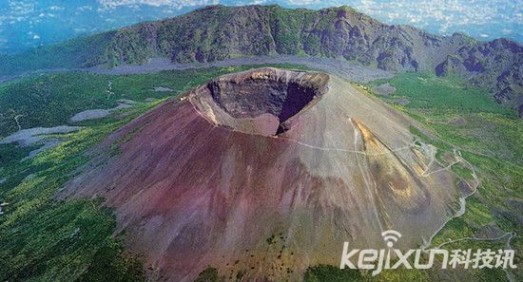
{"x": 216, "y": 33}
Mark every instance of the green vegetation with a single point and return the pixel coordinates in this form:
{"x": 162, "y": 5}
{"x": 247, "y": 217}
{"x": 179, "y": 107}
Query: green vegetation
{"x": 47, "y": 240}
{"x": 271, "y": 240}
{"x": 432, "y": 95}
{"x": 209, "y": 275}
{"x": 287, "y": 26}
{"x": 329, "y": 273}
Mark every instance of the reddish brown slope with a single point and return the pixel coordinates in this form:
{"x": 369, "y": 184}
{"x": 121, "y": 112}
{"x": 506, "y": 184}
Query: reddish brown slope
{"x": 206, "y": 181}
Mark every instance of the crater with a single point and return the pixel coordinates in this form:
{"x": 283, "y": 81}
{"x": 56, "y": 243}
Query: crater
{"x": 262, "y": 100}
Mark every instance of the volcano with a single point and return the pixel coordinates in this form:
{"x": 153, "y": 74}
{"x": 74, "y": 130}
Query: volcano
{"x": 263, "y": 173}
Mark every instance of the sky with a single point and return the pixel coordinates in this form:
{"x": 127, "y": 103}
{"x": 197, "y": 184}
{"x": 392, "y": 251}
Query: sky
{"x": 28, "y": 23}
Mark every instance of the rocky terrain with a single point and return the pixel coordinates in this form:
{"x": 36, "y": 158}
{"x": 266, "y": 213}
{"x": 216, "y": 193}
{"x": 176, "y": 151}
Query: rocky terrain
{"x": 261, "y": 174}
{"x": 495, "y": 65}
{"x": 216, "y": 33}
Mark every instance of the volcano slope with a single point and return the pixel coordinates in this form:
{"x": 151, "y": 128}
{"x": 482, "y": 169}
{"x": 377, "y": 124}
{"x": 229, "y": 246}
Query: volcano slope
{"x": 261, "y": 174}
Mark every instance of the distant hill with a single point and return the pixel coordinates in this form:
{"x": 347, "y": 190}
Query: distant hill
{"x": 218, "y": 32}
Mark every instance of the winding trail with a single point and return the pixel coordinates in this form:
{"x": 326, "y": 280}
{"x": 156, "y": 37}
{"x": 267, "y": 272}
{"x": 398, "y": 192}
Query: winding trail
{"x": 508, "y": 234}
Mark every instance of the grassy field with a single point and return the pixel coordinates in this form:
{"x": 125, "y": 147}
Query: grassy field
{"x": 431, "y": 95}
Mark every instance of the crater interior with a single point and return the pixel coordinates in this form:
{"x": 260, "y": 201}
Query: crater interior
{"x": 256, "y": 94}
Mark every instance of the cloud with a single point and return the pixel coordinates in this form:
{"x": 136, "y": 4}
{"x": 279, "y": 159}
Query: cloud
{"x": 56, "y": 8}
{"x": 84, "y": 8}
{"x": 155, "y": 3}
{"x": 303, "y": 2}
{"x": 258, "y": 2}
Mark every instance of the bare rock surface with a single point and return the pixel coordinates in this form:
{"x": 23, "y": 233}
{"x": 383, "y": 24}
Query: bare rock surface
{"x": 32, "y": 136}
{"x": 259, "y": 102}
{"x": 162, "y": 89}
{"x": 101, "y": 113}
{"x": 384, "y": 89}
{"x": 39, "y": 136}
{"x": 90, "y": 114}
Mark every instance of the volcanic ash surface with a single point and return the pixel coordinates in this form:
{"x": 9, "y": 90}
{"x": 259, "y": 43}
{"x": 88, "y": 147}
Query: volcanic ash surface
{"x": 268, "y": 172}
